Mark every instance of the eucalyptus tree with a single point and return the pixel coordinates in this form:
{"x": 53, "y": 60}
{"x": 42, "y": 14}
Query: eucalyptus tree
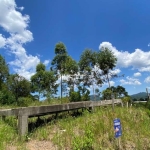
{"x": 43, "y": 82}
{"x": 72, "y": 72}
{"x": 121, "y": 91}
{"x": 4, "y": 71}
{"x": 106, "y": 94}
{"x": 106, "y": 61}
{"x": 87, "y": 64}
{"x": 118, "y": 92}
{"x": 50, "y": 85}
{"x": 37, "y": 80}
{"x": 19, "y": 86}
{"x": 58, "y": 62}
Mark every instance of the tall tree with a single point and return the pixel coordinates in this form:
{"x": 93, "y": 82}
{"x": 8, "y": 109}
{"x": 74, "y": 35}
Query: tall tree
{"x": 4, "y": 71}
{"x": 37, "y": 80}
{"x": 58, "y": 63}
{"x": 43, "y": 82}
{"x": 50, "y": 85}
{"x": 106, "y": 61}
{"x": 121, "y": 91}
{"x": 87, "y": 64}
{"x": 72, "y": 72}
{"x": 19, "y": 86}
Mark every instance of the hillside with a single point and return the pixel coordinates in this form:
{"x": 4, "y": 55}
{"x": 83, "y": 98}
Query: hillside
{"x": 139, "y": 95}
{"x": 94, "y": 97}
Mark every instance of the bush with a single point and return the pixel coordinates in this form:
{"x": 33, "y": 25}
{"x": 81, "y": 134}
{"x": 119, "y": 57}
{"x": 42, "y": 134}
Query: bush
{"x": 6, "y": 98}
{"x": 24, "y": 101}
{"x": 75, "y": 96}
{"x": 85, "y": 97}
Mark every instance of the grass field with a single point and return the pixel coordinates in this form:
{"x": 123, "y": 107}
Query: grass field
{"x": 80, "y": 131}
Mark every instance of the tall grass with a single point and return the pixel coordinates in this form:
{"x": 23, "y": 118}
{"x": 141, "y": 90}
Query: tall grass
{"x": 84, "y": 130}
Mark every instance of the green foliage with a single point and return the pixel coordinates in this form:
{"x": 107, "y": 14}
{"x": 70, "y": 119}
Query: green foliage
{"x": 59, "y": 61}
{"x": 24, "y": 101}
{"x": 107, "y": 94}
{"x": 87, "y": 60}
{"x": 71, "y": 69}
{"x": 126, "y": 99}
{"x": 4, "y": 71}
{"x": 7, "y": 97}
{"x": 85, "y": 141}
{"x": 19, "y": 86}
{"x": 106, "y": 61}
{"x": 82, "y": 94}
{"x": 86, "y": 96}
{"x": 117, "y": 92}
{"x": 75, "y": 96}
{"x": 43, "y": 82}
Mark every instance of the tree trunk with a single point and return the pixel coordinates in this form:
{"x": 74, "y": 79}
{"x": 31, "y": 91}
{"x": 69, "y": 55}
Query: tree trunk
{"x": 108, "y": 80}
{"x": 61, "y": 86}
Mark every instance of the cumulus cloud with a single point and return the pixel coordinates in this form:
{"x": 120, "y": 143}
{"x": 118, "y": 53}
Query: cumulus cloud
{"x": 2, "y": 41}
{"x": 115, "y": 71}
{"x": 137, "y": 59}
{"x": 130, "y": 81}
{"x": 147, "y": 80}
{"x": 46, "y": 62}
{"x": 16, "y": 25}
{"x": 137, "y": 74}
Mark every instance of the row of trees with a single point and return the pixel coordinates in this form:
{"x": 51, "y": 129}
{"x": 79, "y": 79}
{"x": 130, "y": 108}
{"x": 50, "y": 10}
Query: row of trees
{"x": 93, "y": 68}
{"x": 116, "y": 92}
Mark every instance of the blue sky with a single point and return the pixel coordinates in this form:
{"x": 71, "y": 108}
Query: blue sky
{"x": 29, "y": 31}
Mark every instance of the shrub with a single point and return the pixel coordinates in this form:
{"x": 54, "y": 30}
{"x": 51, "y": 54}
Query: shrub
{"x": 6, "y": 98}
{"x": 75, "y": 96}
{"x": 24, "y": 101}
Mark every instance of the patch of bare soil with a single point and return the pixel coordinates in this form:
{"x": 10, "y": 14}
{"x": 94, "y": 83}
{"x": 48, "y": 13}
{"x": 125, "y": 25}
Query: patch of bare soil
{"x": 40, "y": 145}
{"x": 11, "y": 148}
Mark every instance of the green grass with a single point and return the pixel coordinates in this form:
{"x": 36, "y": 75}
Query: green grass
{"x": 85, "y": 131}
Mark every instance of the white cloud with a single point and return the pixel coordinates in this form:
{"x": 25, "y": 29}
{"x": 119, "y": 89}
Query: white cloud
{"x": 137, "y": 59}
{"x": 130, "y": 81}
{"x": 115, "y": 71}
{"x": 16, "y": 24}
{"x": 147, "y": 80}
{"x": 2, "y": 41}
{"x": 137, "y": 74}
{"x": 46, "y": 62}
{"x": 112, "y": 83}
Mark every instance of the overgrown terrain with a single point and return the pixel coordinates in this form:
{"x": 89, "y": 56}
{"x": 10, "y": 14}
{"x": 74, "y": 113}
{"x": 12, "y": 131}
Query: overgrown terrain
{"x": 80, "y": 131}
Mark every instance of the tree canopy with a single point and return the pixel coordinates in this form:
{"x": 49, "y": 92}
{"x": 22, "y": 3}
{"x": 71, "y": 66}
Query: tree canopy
{"x": 73, "y": 77}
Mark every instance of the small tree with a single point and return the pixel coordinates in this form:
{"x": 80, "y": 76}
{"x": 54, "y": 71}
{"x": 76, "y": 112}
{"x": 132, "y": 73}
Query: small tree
{"x": 19, "y": 86}
{"x": 43, "y": 82}
{"x": 126, "y": 100}
{"x": 106, "y": 94}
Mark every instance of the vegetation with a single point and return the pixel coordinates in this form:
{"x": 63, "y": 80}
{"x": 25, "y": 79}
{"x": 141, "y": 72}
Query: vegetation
{"x": 139, "y": 96}
{"x": 75, "y": 77}
{"x": 116, "y": 92}
{"x": 82, "y": 130}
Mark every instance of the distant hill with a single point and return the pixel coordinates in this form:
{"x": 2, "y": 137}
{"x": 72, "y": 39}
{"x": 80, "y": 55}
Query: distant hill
{"x": 139, "y": 95}
{"x": 96, "y": 98}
